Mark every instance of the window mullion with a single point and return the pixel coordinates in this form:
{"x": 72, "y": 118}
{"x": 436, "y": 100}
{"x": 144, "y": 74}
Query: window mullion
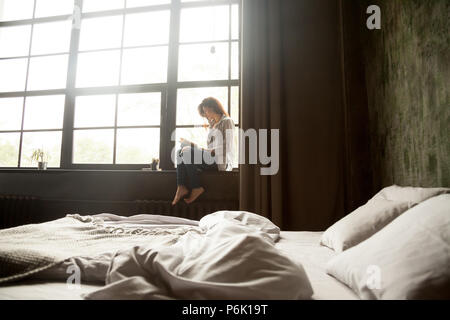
{"x": 168, "y": 119}
{"x": 117, "y": 95}
{"x": 26, "y": 85}
{"x": 69, "y": 106}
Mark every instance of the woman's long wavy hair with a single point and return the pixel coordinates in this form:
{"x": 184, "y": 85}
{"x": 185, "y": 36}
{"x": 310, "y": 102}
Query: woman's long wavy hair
{"x": 214, "y": 105}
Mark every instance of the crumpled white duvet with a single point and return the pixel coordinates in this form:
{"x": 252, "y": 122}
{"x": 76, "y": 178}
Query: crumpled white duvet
{"x": 229, "y": 255}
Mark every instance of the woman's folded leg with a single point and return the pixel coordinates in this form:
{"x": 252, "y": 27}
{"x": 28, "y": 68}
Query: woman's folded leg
{"x": 182, "y": 183}
{"x": 193, "y": 172}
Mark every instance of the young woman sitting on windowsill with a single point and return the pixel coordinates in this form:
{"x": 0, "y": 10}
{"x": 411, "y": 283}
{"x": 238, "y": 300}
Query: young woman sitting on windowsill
{"x": 192, "y": 160}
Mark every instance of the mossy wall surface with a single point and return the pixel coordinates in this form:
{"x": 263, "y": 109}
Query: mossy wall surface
{"x": 408, "y": 80}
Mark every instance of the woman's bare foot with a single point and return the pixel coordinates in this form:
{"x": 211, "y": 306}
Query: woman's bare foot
{"x": 181, "y": 192}
{"x": 195, "y": 193}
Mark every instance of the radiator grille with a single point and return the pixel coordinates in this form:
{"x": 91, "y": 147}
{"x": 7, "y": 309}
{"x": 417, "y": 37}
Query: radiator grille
{"x": 16, "y": 210}
{"x": 193, "y": 211}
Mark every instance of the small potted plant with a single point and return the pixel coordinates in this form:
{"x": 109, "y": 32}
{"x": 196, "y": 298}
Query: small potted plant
{"x": 41, "y": 157}
{"x": 155, "y": 164}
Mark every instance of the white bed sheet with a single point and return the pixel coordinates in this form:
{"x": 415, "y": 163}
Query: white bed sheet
{"x": 301, "y": 247}
{"x": 304, "y": 247}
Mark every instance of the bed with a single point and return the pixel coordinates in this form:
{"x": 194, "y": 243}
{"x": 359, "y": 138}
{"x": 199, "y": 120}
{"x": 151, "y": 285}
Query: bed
{"x": 396, "y": 246}
{"x": 301, "y": 247}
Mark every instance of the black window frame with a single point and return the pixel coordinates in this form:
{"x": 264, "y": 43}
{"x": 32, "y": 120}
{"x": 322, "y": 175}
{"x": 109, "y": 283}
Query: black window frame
{"x": 168, "y": 89}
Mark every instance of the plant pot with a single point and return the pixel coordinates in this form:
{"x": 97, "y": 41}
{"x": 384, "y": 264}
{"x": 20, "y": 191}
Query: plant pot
{"x": 42, "y": 165}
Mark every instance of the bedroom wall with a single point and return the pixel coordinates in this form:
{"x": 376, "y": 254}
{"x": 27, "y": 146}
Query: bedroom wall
{"x": 407, "y": 78}
{"x": 60, "y": 192}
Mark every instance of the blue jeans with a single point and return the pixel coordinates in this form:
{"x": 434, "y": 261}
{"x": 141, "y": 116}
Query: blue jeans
{"x": 191, "y": 163}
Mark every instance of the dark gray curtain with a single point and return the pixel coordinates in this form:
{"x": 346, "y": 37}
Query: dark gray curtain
{"x": 261, "y": 94}
{"x": 292, "y": 80}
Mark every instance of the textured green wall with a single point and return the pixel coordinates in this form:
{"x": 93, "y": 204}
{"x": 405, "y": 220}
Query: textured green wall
{"x": 408, "y": 80}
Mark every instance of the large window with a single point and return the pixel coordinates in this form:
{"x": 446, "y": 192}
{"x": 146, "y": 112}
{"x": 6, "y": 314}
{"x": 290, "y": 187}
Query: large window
{"x": 104, "y": 83}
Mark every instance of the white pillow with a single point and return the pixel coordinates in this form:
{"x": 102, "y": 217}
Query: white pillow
{"x": 408, "y": 259}
{"x": 379, "y": 211}
{"x": 411, "y": 194}
{"x": 362, "y": 223}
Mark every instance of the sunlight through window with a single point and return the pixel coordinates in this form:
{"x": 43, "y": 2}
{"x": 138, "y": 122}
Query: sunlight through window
{"x": 113, "y": 78}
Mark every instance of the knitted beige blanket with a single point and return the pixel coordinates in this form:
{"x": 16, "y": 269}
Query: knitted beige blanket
{"x": 29, "y": 249}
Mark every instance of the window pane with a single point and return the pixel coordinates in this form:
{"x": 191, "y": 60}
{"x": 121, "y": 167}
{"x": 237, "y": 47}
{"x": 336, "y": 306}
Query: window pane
{"x": 44, "y": 112}
{"x": 144, "y": 65}
{"x": 15, "y": 41}
{"x": 143, "y": 3}
{"x": 95, "y": 111}
{"x": 137, "y": 146}
{"x": 53, "y": 37}
{"x": 47, "y": 8}
{"x": 48, "y": 72}
{"x": 235, "y": 60}
{"x": 93, "y": 146}
{"x": 11, "y": 113}
{"x": 49, "y": 141}
{"x": 16, "y": 69}
{"x": 100, "y": 5}
{"x": 204, "y": 24}
{"x": 235, "y": 21}
{"x": 196, "y": 135}
{"x": 189, "y": 99}
{"x": 101, "y": 33}
{"x": 98, "y": 69}
{"x": 235, "y": 104}
{"x": 9, "y": 149}
{"x": 139, "y": 109}
{"x": 147, "y": 28}
{"x": 203, "y": 62}
{"x": 16, "y": 9}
